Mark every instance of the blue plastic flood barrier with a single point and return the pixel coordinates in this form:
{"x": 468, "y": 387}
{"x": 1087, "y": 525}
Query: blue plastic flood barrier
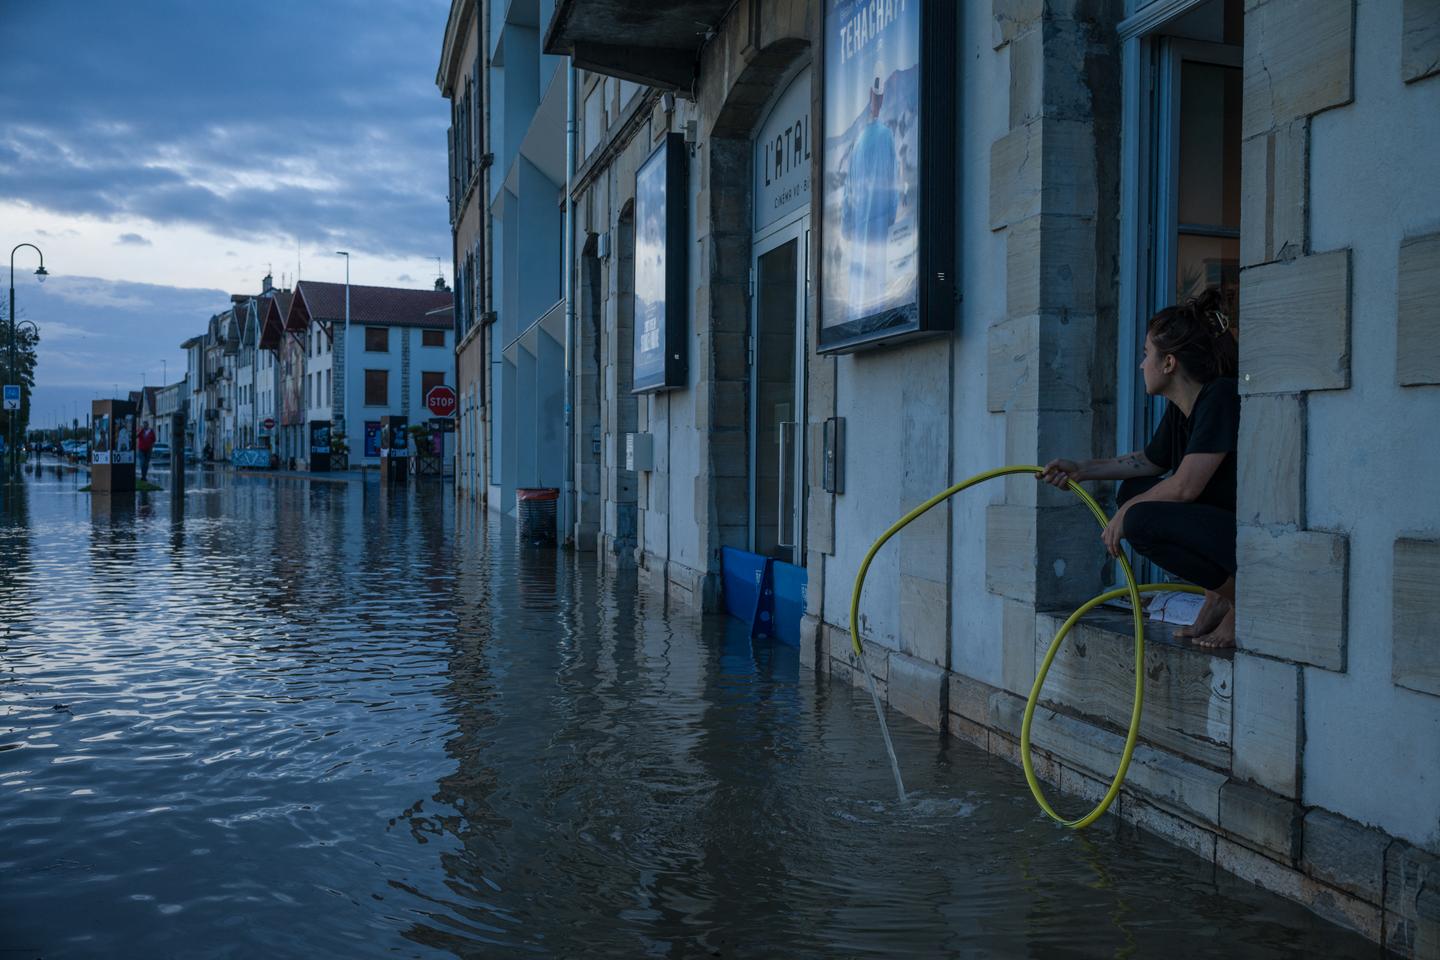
{"x": 768, "y": 595}
{"x": 789, "y": 600}
{"x": 743, "y": 577}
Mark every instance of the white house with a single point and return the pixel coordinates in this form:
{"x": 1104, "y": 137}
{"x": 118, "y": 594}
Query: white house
{"x": 401, "y": 342}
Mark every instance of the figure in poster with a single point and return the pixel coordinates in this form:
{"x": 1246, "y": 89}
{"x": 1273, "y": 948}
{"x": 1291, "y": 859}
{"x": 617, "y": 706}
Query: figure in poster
{"x": 102, "y": 434}
{"x": 122, "y": 434}
{"x": 872, "y": 199}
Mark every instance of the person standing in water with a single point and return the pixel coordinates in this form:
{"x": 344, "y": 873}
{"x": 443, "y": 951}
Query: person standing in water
{"x": 1176, "y": 502}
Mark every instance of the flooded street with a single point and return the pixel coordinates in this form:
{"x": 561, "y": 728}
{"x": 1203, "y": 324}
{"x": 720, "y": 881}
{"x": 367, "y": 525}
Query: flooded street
{"x": 322, "y": 719}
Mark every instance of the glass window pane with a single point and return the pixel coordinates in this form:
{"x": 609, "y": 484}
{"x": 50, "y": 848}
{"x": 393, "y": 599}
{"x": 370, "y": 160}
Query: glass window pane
{"x": 1209, "y": 189}
{"x": 1206, "y": 262}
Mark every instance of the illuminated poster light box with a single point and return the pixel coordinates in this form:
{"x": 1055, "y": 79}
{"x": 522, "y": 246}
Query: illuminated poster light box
{"x": 660, "y": 348}
{"x": 887, "y": 207}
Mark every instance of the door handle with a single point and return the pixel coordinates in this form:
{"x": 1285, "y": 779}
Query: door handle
{"x": 784, "y": 536}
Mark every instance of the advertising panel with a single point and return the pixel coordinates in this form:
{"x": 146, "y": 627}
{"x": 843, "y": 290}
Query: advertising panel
{"x": 372, "y": 438}
{"x": 100, "y": 439}
{"x": 394, "y": 437}
{"x": 122, "y": 447}
{"x": 320, "y": 436}
{"x": 660, "y": 349}
{"x": 887, "y": 209}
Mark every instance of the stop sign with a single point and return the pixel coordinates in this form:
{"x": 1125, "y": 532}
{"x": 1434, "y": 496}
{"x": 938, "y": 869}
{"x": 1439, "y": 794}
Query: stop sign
{"x": 441, "y": 401}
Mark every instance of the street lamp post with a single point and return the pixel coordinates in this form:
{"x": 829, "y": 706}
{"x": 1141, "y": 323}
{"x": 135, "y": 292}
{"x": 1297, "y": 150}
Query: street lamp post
{"x": 14, "y": 336}
{"x": 345, "y": 353}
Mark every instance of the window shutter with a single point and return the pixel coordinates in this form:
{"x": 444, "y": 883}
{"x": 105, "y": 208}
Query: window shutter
{"x": 450, "y": 151}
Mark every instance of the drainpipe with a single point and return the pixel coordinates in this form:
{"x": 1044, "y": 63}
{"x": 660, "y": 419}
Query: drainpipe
{"x": 567, "y": 501}
{"x": 487, "y": 420}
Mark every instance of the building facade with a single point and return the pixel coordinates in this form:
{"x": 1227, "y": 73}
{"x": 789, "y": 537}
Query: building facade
{"x": 508, "y": 170}
{"x": 770, "y": 242}
{"x": 169, "y": 400}
{"x": 398, "y": 345}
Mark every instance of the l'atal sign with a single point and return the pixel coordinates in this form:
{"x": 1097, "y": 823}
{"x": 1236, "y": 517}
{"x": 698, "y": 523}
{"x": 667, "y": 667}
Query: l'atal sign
{"x": 782, "y": 156}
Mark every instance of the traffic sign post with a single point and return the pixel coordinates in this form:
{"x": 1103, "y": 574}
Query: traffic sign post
{"x": 440, "y": 401}
{"x": 12, "y": 396}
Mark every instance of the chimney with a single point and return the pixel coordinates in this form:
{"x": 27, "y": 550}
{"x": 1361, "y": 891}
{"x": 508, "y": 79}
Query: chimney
{"x": 267, "y": 284}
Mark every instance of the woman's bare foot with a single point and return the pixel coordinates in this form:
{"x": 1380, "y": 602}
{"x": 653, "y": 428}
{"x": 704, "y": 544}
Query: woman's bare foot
{"x": 1223, "y": 636}
{"x": 1212, "y": 611}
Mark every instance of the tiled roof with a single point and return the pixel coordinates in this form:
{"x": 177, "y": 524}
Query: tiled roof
{"x": 372, "y": 306}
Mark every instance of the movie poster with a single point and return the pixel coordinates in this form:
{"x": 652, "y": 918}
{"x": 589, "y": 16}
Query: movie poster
{"x": 372, "y": 438}
{"x": 649, "y": 363}
{"x": 100, "y": 439}
{"x": 123, "y": 447}
{"x": 870, "y": 242}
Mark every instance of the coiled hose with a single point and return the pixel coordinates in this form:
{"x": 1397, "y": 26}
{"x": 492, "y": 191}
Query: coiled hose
{"x": 1131, "y": 588}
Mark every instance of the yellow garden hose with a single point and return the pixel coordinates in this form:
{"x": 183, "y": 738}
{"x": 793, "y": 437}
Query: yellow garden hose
{"x": 1132, "y": 589}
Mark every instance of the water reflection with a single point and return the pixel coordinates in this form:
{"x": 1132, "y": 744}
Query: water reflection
{"x": 322, "y": 718}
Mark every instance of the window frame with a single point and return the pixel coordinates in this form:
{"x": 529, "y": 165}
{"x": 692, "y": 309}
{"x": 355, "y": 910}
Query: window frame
{"x": 383, "y": 330}
{"x": 1149, "y": 198}
{"x": 385, "y": 373}
{"x": 1149, "y": 180}
{"x": 427, "y": 332}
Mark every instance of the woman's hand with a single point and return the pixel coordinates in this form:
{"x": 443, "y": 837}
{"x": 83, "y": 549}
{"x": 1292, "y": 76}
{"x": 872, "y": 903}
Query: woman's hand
{"x": 1059, "y": 473}
{"x": 1114, "y": 532}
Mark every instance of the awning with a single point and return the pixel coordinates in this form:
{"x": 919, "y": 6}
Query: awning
{"x": 655, "y": 43}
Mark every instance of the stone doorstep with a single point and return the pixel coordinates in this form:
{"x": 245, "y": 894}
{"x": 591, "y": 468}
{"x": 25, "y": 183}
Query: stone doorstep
{"x": 1188, "y": 690}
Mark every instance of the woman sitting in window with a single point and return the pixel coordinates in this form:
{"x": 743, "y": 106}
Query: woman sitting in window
{"x": 1184, "y": 522}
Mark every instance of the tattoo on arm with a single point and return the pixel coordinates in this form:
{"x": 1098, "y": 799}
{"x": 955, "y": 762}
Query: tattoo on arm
{"x": 1133, "y": 462}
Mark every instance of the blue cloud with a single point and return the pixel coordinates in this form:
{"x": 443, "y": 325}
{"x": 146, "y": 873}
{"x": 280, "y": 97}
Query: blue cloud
{"x": 132, "y": 240}
{"x": 95, "y": 334}
{"x": 225, "y": 124}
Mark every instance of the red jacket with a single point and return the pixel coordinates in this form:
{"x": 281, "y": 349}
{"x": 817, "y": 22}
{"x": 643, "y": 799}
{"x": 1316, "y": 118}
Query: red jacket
{"x": 145, "y": 440}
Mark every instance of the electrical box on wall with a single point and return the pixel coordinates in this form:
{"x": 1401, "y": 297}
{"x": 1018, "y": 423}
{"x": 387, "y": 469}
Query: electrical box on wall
{"x": 640, "y": 451}
{"x": 833, "y": 455}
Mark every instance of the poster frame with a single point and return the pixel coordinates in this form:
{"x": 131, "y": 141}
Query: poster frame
{"x": 673, "y": 154}
{"x": 937, "y": 212}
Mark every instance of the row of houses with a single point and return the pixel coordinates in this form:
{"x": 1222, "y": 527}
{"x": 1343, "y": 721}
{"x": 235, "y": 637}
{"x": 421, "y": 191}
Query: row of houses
{"x": 766, "y": 275}
{"x": 277, "y": 366}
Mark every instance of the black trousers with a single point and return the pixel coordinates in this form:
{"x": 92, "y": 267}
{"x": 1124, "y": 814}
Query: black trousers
{"x": 1193, "y": 541}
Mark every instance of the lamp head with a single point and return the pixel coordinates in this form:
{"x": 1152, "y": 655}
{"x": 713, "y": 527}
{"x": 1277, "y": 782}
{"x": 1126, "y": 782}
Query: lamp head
{"x": 41, "y": 274}
{"x": 342, "y": 253}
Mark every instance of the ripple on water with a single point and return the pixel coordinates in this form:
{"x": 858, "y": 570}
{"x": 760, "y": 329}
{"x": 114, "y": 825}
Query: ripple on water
{"x": 331, "y": 720}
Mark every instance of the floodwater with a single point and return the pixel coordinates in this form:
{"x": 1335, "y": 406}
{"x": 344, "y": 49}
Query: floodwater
{"x": 319, "y": 719}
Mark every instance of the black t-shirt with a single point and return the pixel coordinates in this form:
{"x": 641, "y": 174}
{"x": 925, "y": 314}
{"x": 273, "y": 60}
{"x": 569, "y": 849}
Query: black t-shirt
{"x": 1212, "y": 427}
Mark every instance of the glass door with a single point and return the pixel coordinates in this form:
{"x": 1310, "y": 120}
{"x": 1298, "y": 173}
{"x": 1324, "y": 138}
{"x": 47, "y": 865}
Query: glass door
{"x": 777, "y": 389}
{"x": 1195, "y": 207}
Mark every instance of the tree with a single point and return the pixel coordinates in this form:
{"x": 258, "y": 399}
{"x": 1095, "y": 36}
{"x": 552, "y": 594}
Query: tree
{"x": 24, "y": 374}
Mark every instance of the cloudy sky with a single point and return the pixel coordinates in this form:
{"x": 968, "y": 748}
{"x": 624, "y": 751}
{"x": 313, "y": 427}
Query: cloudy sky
{"x": 166, "y": 153}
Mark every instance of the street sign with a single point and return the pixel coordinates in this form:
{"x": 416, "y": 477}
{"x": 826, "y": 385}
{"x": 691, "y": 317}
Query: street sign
{"x": 441, "y": 401}
{"x": 268, "y": 423}
{"x": 12, "y": 396}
